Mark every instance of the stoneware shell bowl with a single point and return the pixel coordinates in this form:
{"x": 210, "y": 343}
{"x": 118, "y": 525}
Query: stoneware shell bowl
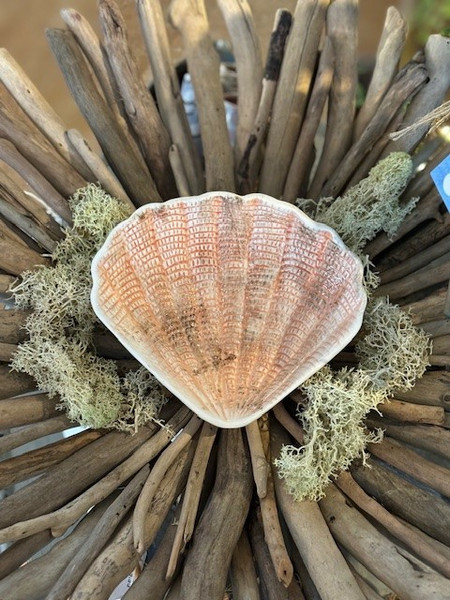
{"x": 231, "y": 302}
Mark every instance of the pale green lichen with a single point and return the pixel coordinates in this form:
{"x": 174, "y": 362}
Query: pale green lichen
{"x": 392, "y": 355}
{"x": 334, "y": 431}
{"x": 59, "y": 353}
{"x": 372, "y": 205}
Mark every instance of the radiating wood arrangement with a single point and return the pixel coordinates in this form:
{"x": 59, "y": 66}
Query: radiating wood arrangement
{"x": 210, "y": 506}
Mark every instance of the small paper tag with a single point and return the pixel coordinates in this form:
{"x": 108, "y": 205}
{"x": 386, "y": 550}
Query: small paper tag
{"x": 441, "y": 178}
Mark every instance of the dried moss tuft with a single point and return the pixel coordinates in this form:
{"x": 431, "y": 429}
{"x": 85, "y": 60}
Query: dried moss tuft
{"x": 392, "y": 355}
{"x": 59, "y": 353}
{"x": 370, "y": 206}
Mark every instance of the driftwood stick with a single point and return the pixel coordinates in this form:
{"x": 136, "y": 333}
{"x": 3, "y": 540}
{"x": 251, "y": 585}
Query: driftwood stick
{"x": 439, "y": 547}
{"x": 251, "y": 155}
{"x": 324, "y": 562}
{"x": 5, "y": 282}
{"x": 191, "y": 499}
{"x": 270, "y": 519}
{"x": 408, "y": 578}
{"x": 411, "y": 462}
{"x": 366, "y": 588}
{"x": 15, "y": 412}
{"x": 437, "y": 328}
{"x": 20, "y": 552}
{"x": 441, "y": 345}
{"x": 189, "y": 17}
{"x": 428, "y": 437}
{"x": 36, "y": 107}
{"x": 99, "y": 537}
{"x": 18, "y": 128}
{"x": 437, "y": 56}
{"x": 389, "y": 51}
{"x": 414, "y": 263}
{"x": 56, "y": 204}
{"x": 432, "y": 154}
{"x": 126, "y": 161}
{"x": 271, "y": 586}
{"x": 14, "y": 384}
{"x": 296, "y": 181}
{"x": 15, "y": 257}
{"x": 7, "y": 351}
{"x": 247, "y": 53}
{"x": 244, "y": 582}
{"x": 429, "y": 512}
{"x": 34, "y": 579}
{"x": 221, "y": 523}
{"x": 119, "y": 557}
{"x": 20, "y": 468}
{"x": 274, "y": 537}
{"x": 22, "y": 220}
{"x": 292, "y": 426}
{"x": 436, "y": 271}
{"x": 430, "y": 308}
{"x": 153, "y": 577}
{"x": 342, "y": 30}
{"x": 138, "y": 103}
{"x": 18, "y": 193}
{"x": 99, "y": 168}
{"x": 409, "y": 412}
{"x": 97, "y": 57}
{"x": 427, "y": 208}
{"x": 33, "y": 432}
{"x": 167, "y": 89}
{"x": 154, "y": 479}
{"x": 406, "y": 84}
{"x": 91, "y": 463}
{"x": 260, "y": 466}
{"x": 440, "y": 360}
{"x": 12, "y": 329}
{"x": 61, "y": 518}
{"x": 292, "y": 93}
{"x": 176, "y": 164}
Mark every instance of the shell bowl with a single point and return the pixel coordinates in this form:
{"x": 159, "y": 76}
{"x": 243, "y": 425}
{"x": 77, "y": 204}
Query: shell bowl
{"x": 231, "y": 302}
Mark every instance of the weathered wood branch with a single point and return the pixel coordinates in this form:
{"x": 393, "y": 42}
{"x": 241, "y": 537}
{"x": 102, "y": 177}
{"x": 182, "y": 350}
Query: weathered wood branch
{"x": 289, "y": 105}
{"x": 389, "y": 51}
{"x": 121, "y": 154}
{"x": 342, "y": 30}
{"x": 403, "y": 458}
{"x": 428, "y": 512}
{"x": 251, "y": 159}
{"x": 221, "y": 523}
{"x": 247, "y": 53}
{"x": 324, "y": 562}
{"x": 189, "y": 17}
{"x": 409, "y": 578}
{"x": 36, "y": 107}
{"x": 138, "y": 103}
{"x": 20, "y": 468}
{"x": 167, "y": 90}
{"x": 297, "y": 179}
{"x": 415, "y": 542}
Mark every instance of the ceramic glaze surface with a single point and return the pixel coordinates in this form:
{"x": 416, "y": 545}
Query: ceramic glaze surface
{"x": 231, "y": 302}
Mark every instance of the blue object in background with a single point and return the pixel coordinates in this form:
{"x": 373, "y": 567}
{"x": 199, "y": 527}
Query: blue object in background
{"x": 441, "y": 178}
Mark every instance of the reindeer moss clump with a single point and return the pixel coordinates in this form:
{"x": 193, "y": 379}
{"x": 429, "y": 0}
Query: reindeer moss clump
{"x": 60, "y": 354}
{"x": 370, "y": 206}
{"x": 392, "y": 355}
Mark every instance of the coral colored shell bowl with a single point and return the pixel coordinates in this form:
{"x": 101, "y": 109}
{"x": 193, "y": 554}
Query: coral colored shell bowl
{"x": 231, "y": 302}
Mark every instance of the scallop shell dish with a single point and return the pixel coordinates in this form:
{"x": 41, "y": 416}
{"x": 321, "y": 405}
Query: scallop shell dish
{"x": 231, "y": 302}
